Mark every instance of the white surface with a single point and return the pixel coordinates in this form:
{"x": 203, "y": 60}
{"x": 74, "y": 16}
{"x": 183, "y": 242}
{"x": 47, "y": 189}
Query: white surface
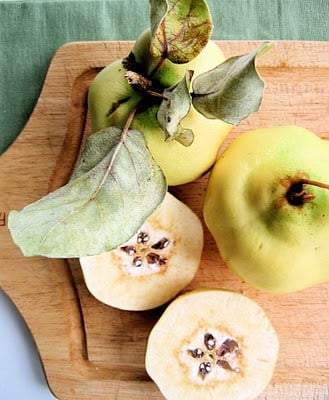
{"x": 21, "y": 373}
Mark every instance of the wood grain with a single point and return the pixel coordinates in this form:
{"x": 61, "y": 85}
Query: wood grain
{"x": 92, "y": 351}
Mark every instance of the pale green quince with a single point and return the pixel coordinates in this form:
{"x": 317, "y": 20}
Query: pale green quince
{"x": 267, "y": 206}
{"x": 111, "y": 99}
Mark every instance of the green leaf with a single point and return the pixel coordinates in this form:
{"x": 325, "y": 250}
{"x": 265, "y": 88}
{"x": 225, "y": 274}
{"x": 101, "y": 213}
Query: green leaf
{"x": 173, "y": 109}
{"x": 231, "y": 91}
{"x": 185, "y": 137}
{"x": 115, "y": 187}
{"x": 180, "y": 29}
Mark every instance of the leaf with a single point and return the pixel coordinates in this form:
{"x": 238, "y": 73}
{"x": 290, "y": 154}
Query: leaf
{"x": 231, "y": 91}
{"x": 180, "y": 29}
{"x": 115, "y": 187}
{"x": 185, "y": 137}
{"x": 174, "y": 107}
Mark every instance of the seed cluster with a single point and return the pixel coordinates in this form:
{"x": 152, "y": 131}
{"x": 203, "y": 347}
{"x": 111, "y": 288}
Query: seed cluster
{"x": 211, "y": 354}
{"x": 144, "y": 252}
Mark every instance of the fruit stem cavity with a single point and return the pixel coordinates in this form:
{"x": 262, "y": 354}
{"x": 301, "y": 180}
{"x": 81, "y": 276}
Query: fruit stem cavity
{"x": 298, "y": 195}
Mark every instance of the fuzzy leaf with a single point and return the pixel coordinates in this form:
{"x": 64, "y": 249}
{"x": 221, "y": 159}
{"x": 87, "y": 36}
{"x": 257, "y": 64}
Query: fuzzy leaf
{"x": 185, "y": 137}
{"x": 180, "y": 29}
{"x": 231, "y": 91}
{"x": 174, "y": 108}
{"x": 115, "y": 187}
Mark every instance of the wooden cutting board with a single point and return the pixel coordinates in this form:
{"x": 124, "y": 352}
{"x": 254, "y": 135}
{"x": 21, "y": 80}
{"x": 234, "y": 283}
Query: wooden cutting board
{"x": 93, "y": 351}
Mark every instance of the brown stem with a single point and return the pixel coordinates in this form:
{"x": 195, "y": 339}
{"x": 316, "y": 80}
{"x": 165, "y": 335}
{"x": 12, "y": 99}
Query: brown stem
{"x": 156, "y": 94}
{"x": 129, "y": 121}
{"x": 314, "y": 183}
{"x": 143, "y": 84}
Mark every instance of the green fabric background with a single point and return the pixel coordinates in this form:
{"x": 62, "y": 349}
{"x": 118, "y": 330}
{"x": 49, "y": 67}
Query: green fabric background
{"x": 31, "y": 31}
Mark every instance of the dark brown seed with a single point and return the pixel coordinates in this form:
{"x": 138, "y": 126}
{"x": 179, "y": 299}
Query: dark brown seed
{"x": 231, "y": 345}
{"x": 196, "y": 353}
{"x": 163, "y": 260}
{"x": 143, "y": 237}
{"x": 226, "y": 365}
{"x": 228, "y": 346}
{"x": 154, "y": 258}
{"x": 222, "y": 350}
{"x": 223, "y": 364}
{"x": 205, "y": 368}
{"x": 130, "y": 250}
{"x": 138, "y": 262}
{"x": 209, "y": 341}
{"x": 161, "y": 244}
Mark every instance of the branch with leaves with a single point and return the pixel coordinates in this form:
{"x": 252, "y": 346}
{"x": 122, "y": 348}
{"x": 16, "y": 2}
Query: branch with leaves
{"x": 117, "y": 184}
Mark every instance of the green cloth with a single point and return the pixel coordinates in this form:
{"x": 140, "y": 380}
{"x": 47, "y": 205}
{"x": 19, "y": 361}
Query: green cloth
{"x": 31, "y": 31}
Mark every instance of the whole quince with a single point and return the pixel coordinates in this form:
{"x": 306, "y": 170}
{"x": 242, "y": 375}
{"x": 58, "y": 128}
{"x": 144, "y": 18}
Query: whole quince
{"x": 111, "y": 99}
{"x": 267, "y": 206}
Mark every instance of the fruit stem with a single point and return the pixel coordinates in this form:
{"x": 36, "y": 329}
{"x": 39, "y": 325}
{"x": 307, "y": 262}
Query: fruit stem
{"x": 143, "y": 84}
{"x": 156, "y": 94}
{"x": 297, "y": 195}
{"x": 158, "y": 66}
{"x": 305, "y": 181}
{"x": 128, "y": 122}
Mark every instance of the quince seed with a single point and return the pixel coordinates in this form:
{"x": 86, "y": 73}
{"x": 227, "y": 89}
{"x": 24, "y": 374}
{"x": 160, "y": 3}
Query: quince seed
{"x": 196, "y": 353}
{"x": 205, "y": 368}
{"x": 161, "y": 244}
{"x": 143, "y": 237}
{"x": 153, "y": 258}
{"x": 137, "y": 261}
{"x": 228, "y": 346}
{"x": 130, "y": 250}
{"x": 209, "y": 341}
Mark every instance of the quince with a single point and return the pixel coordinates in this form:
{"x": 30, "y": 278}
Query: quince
{"x": 267, "y": 206}
{"x": 111, "y": 99}
{"x": 151, "y": 268}
{"x": 212, "y": 344}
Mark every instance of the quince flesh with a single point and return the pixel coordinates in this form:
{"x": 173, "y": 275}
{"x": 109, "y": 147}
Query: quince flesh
{"x": 154, "y": 265}
{"x": 212, "y": 344}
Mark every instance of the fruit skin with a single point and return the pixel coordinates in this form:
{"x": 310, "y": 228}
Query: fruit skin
{"x": 107, "y": 90}
{"x": 271, "y": 244}
{"x": 106, "y": 277}
{"x": 205, "y": 310}
{"x": 110, "y": 88}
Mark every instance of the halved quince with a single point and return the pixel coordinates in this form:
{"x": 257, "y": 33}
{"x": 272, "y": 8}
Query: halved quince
{"x": 212, "y": 344}
{"x": 150, "y": 269}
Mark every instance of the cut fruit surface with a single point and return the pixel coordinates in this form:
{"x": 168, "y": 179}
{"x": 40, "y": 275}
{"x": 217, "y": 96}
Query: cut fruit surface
{"x": 212, "y": 344}
{"x": 151, "y": 268}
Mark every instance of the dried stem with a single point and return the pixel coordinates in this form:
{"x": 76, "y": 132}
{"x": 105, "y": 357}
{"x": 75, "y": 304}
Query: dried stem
{"x": 314, "y": 183}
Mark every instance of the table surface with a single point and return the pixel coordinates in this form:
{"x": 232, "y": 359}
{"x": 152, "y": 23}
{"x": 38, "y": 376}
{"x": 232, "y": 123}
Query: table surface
{"x": 25, "y": 52}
